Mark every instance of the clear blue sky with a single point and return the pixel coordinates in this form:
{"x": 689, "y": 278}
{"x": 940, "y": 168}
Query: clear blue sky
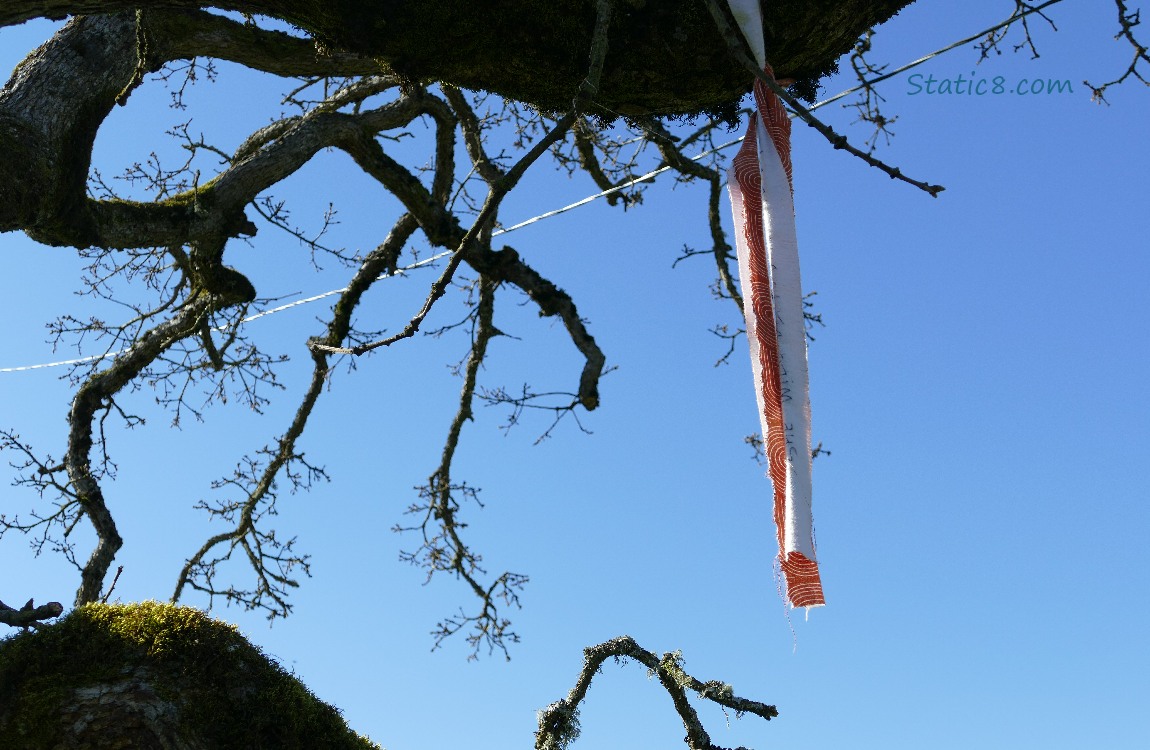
{"x": 982, "y": 521}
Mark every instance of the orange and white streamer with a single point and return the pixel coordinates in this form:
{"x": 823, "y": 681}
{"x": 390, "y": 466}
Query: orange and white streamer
{"x": 761, "y": 196}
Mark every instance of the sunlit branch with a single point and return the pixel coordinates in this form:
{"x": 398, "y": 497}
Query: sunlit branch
{"x": 90, "y": 399}
{"x": 559, "y": 722}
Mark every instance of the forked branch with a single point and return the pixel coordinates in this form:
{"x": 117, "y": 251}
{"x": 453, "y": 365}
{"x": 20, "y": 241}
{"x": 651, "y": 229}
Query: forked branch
{"x": 559, "y": 722}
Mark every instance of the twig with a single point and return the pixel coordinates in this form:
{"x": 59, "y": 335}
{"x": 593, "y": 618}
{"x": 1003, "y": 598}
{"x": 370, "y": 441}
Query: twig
{"x": 737, "y": 49}
{"x": 104, "y": 598}
{"x": 942, "y": 50}
{"x": 1127, "y": 21}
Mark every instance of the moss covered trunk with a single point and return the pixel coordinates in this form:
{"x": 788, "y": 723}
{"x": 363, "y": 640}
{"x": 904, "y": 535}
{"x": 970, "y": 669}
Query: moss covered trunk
{"x": 152, "y": 675}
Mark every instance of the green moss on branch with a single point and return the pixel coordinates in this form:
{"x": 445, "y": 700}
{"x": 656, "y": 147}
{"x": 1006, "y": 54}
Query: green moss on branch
{"x": 142, "y": 675}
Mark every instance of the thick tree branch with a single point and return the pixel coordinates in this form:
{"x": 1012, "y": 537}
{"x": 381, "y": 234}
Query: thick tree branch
{"x": 586, "y": 135}
{"x": 19, "y": 11}
{"x": 506, "y": 265}
{"x": 93, "y": 396}
{"x": 52, "y": 108}
{"x": 672, "y": 63}
{"x": 185, "y": 34}
{"x": 49, "y": 114}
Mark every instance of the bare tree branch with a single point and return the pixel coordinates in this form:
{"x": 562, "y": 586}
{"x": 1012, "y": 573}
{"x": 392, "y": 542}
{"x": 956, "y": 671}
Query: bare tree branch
{"x": 868, "y": 103}
{"x": 442, "y": 549}
{"x": 559, "y": 722}
{"x": 181, "y": 332}
{"x": 1127, "y": 20}
{"x": 271, "y": 561}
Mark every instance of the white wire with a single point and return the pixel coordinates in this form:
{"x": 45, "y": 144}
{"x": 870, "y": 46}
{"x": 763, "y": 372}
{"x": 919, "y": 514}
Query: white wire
{"x": 609, "y": 191}
{"x": 399, "y": 272}
{"x": 555, "y": 212}
{"x": 333, "y": 292}
{"x": 248, "y": 319}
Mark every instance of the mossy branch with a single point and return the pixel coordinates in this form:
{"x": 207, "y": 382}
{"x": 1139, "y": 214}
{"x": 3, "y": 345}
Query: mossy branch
{"x": 559, "y": 722}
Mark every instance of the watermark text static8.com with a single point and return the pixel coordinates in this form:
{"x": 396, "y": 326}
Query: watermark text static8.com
{"x": 961, "y": 85}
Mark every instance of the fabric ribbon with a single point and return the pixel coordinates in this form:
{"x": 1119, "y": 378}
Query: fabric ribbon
{"x": 761, "y": 196}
